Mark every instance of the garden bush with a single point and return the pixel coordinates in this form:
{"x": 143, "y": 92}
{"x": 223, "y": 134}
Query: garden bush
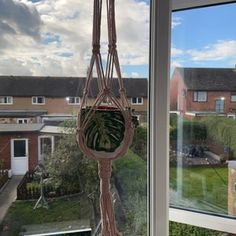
{"x": 177, "y": 229}
{"x": 192, "y": 130}
{"x": 223, "y": 131}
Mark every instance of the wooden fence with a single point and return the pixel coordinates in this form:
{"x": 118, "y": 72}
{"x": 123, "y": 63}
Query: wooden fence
{"x": 29, "y": 193}
{"x": 3, "y": 177}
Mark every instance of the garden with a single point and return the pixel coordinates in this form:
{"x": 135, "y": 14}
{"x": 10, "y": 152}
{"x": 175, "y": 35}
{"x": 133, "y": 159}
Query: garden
{"x": 202, "y": 188}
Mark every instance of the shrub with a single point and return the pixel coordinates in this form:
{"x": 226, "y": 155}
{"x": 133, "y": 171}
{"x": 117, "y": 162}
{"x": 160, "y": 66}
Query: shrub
{"x": 139, "y": 145}
{"x": 222, "y": 130}
{"x": 192, "y": 130}
{"x": 177, "y": 229}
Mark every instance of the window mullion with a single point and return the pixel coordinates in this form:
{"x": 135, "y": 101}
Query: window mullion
{"x": 159, "y": 116}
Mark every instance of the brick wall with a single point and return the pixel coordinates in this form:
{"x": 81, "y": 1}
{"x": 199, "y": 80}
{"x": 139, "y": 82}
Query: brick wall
{"x": 209, "y": 105}
{"x": 55, "y": 105}
{"x": 5, "y": 148}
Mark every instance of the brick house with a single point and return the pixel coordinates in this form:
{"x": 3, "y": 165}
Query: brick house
{"x": 19, "y": 146}
{"x": 196, "y": 92}
{"x": 32, "y": 107}
{"x": 23, "y": 98}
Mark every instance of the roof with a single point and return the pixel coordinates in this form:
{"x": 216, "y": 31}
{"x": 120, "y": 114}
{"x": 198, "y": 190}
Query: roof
{"x": 6, "y": 128}
{"x": 49, "y": 129}
{"x": 24, "y": 86}
{"x": 215, "y": 79}
{"x": 21, "y": 113}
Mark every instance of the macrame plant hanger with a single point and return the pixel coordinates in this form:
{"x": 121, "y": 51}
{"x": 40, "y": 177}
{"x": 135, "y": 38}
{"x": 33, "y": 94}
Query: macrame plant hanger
{"x": 105, "y": 132}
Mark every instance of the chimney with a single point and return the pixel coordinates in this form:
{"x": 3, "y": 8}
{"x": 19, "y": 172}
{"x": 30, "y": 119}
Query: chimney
{"x": 232, "y": 188}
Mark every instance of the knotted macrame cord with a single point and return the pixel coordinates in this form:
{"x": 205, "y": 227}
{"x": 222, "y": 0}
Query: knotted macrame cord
{"x": 104, "y": 81}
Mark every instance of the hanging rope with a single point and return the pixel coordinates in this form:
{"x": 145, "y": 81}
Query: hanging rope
{"x": 105, "y": 133}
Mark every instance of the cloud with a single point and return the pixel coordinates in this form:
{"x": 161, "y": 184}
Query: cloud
{"x": 176, "y": 21}
{"x": 221, "y": 50}
{"x": 54, "y": 37}
{"x": 135, "y": 75}
{"x": 18, "y": 18}
{"x": 176, "y": 52}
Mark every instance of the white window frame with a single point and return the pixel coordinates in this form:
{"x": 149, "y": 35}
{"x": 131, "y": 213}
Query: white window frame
{"x": 36, "y": 102}
{"x": 22, "y": 119}
{"x": 40, "y": 155}
{"x": 9, "y": 100}
{"x": 137, "y": 101}
{"x": 76, "y": 100}
{"x": 159, "y": 211}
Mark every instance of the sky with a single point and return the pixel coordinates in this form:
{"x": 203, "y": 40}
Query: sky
{"x": 53, "y": 38}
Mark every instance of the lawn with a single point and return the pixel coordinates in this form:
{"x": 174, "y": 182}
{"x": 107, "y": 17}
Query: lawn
{"x": 22, "y": 213}
{"x": 206, "y": 187}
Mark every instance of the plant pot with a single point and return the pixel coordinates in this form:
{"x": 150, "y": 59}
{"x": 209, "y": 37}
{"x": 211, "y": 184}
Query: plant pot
{"x": 105, "y": 128}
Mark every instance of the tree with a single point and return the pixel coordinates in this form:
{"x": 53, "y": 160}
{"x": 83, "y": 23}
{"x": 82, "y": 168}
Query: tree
{"x": 70, "y": 170}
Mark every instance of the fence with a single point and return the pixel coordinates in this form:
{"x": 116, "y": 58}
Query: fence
{"x": 25, "y": 192}
{"x": 3, "y": 177}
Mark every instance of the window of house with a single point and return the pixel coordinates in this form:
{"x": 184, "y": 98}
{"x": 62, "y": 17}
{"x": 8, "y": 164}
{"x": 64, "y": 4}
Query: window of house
{"x": 233, "y": 97}
{"x": 219, "y": 105}
{"x": 22, "y": 120}
{"x": 73, "y": 100}
{"x": 19, "y": 148}
{"x": 137, "y": 100}
{"x": 46, "y": 146}
{"x": 39, "y": 100}
{"x": 200, "y": 96}
{"x": 6, "y": 100}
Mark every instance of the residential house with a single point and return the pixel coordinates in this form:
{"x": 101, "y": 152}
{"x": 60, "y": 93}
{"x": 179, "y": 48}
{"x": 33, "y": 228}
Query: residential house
{"x": 31, "y": 99}
{"x": 19, "y": 146}
{"x": 32, "y": 107}
{"x": 197, "y": 92}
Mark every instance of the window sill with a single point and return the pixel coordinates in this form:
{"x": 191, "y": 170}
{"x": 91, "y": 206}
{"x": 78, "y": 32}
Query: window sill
{"x": 220, "y": 223}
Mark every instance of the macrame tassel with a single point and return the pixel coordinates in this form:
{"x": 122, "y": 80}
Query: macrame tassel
{"x": 106, "y": 204}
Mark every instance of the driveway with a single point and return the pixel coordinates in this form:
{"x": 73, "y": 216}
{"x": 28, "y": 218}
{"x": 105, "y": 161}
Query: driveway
{"x": 8, "y": 195}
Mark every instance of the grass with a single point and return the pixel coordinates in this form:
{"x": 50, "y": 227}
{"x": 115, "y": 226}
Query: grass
{"x": 22, "y": 213}
{"x": 205, "y": 185}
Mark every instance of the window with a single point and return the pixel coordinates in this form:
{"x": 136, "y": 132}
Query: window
{"x": 46, "y": 146}
{"x": 59, "y": 84}
{"x": 39, "y": 100}
{"x": 219, "y": 105}
{"x": 201, "y": 180}
{"x": 233, "y": 97}
{"x": 137, "y": 101}
{"x": 73, "y": 100}
{"x": 22, "y": 120}
{"x": 6, "y": 100}
{"x": 200, "y": 96}
{"x": 19, "y": 148}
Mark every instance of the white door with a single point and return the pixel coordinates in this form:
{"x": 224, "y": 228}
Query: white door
{"x": 19, "y": 156}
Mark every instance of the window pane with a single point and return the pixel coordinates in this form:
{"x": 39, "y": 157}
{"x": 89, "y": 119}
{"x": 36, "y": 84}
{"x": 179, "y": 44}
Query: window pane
{"x": 45, "y": 145}
{"x": 134, "y": 100}
{"x": 233, "y": 98}
{"x": 202, "y": 135}
{"x": 19, "y": 148}
{"x": 46, "y": 77}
